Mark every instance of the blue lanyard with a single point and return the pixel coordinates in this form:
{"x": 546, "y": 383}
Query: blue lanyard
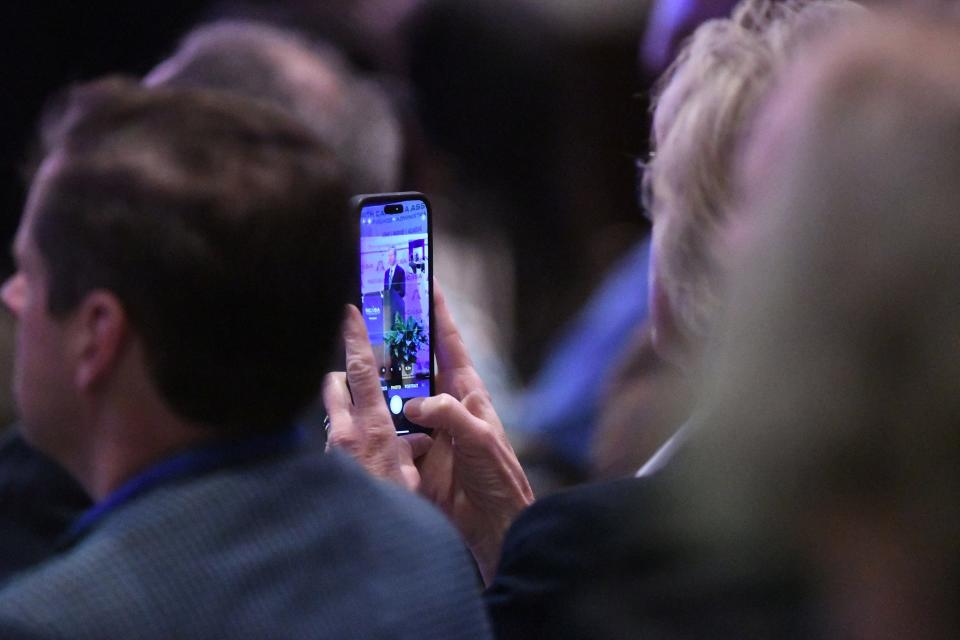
{"x": 189, "y": 463}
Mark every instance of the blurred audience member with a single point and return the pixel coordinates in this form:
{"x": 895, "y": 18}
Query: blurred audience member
{"x": 308, "y": 81}
{"x": 561, "y": 569}
{"x": 369, "y": 32}
{"x": 703, "y": 106}
{"x": 168, "y": 234}
{"x": 347, "y": 112}
{"x": 561, "y": 408}
{"x": 530, "y": 139}
{"x": 525, "y": 149}
{"x": 831, "y": 407}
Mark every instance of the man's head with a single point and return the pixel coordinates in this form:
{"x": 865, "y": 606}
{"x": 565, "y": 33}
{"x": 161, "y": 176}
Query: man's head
{"x": 704, "y": 105}
{"x": 199, "y": 237}
{"x": 308, "y": 81}
{"x": 391, "y": 257}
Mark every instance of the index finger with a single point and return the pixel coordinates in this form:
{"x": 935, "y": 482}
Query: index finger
{"x": 342, "y": 431}
{"x": 361, "y": 366}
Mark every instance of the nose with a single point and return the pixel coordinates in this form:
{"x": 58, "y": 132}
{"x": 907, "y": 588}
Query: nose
{"x": 12, "y": 293}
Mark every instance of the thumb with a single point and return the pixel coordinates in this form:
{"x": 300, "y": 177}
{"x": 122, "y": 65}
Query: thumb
{"x": 448, "y": 415}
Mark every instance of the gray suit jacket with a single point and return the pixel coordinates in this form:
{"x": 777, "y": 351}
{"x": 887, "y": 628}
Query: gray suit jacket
{"x": 296, "y": 546}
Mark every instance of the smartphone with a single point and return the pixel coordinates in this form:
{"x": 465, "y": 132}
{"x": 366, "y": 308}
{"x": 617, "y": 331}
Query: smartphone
{"x": 396, "y": 295}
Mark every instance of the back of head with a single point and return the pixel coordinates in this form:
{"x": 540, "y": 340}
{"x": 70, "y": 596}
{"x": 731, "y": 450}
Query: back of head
{"x": 310, "y": 81}
{"x": 704, "y": 105}
{"x": 834, "y": 399}
{"x": 219, "y": 224}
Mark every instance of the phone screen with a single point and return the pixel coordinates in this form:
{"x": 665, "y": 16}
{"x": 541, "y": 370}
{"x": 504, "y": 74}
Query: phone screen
{"x": 396, "y": 277}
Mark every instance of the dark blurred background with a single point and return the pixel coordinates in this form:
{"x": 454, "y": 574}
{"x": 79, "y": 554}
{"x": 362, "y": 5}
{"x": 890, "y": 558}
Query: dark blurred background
{"x": 536, "y": 106}
{"x": 49, "y": 44}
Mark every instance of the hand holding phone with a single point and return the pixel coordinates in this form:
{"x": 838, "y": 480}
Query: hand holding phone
{"x": 478, "y": 483}
{"x": 359, "y": 422}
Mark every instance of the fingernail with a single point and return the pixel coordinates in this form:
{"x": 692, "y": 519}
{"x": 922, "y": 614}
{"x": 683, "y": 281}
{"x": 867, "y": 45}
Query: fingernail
{"x": 413, "y": 408}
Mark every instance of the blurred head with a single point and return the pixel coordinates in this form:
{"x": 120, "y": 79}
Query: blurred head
{"x": 204, "y": 237}
{"x": 391, "y": 256}
{"x": 310, "y": 81}
{"x": 834, "y": 395}
{"x": 704, "y": 104}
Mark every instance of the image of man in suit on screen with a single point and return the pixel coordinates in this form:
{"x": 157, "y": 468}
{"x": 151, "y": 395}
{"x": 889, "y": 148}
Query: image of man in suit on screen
{"x": 394, "y": 287}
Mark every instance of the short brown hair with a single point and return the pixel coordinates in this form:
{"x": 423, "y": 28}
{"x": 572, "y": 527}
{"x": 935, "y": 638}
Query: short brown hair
{"x": 220, "y": 224}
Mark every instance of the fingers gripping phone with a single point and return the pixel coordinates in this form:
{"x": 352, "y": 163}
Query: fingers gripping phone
{"x": 396, "y": 295}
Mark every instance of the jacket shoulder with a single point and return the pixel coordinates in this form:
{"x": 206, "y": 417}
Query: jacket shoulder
{"x": 300, "y": 547}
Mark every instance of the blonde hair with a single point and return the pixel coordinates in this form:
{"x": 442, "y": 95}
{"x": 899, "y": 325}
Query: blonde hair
{"x": 703, "y": 106}
{"x": 836, "y": 376}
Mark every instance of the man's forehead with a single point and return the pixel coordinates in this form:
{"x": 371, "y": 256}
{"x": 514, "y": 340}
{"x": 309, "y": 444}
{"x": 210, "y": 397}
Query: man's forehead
{"x": 51, "y": 165}
{"x": 20, "y": 246}
{"x": 43, "y": 176}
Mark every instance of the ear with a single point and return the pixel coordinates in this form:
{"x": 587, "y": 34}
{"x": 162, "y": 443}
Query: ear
{"x": 101, "y": 328}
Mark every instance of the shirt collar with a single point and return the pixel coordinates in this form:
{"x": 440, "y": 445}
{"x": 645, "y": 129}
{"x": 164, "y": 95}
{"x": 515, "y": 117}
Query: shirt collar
{"x": 665, "y": 453}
